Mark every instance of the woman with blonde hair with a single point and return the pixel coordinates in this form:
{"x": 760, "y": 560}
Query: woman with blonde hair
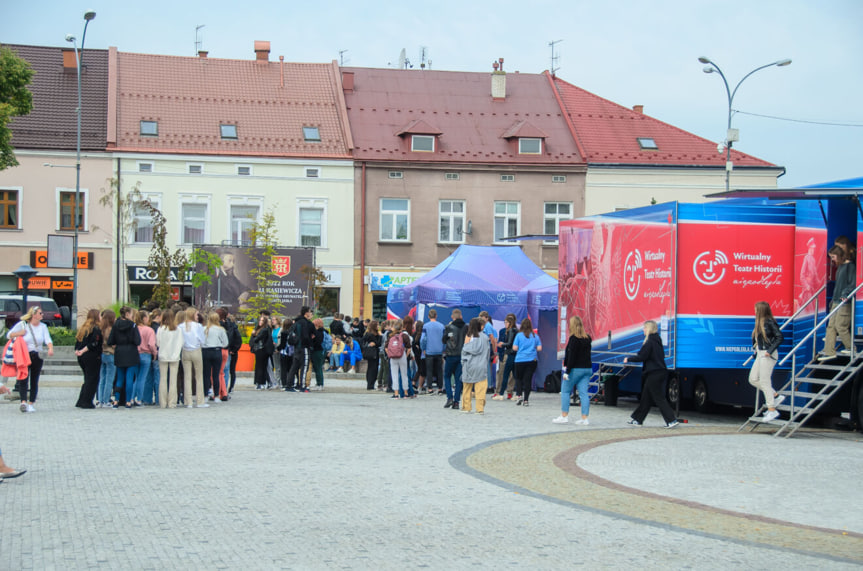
{"x": 215, "y": 339}
{"x": 107, "y": 371}
{"x": 401, "y": 382}
{"x": 169, "y": 340}
{"x": 36, "y": 336}
{"x": 654, "y": 372}
{"x": 766, "y": 339}
{"x": 88, "y": 349}
{"x": 193, "y": 364}
{"x": 577, "y": 368}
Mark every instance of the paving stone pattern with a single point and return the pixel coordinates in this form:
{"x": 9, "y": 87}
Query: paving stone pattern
{"x": 344, "y": 479}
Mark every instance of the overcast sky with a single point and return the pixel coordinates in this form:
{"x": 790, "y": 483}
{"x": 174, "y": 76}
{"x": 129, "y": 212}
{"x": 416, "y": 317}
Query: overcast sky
{"x": 631, "y": 52}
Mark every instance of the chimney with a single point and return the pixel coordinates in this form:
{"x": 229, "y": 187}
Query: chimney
{"x": 262, "y": 51}
{"x": 638, "y": 109}
{"x": 69, "y": 59}
{"x": 498, "y": 81}
{"x": 348, "y": 81}
{"x": 202, "y": 54}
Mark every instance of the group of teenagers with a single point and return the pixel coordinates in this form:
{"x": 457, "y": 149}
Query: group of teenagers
{"x": 134, "y": 358}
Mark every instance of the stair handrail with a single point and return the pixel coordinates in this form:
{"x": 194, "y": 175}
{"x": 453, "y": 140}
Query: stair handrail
{"x": 851, "y": 298}
{"x": 795, "y": 314}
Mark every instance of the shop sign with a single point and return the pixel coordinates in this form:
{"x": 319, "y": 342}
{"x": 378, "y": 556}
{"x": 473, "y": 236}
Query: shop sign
{"x": 382, "y": 281}
{"x": 144, "y": 274}
{"x": 39, "y": 259}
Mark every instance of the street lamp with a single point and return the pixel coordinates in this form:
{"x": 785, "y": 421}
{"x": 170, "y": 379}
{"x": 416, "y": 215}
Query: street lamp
{"x": 731, "y": 136}
{"x": 88, "y": 16}
{"x": 24, "y": 273}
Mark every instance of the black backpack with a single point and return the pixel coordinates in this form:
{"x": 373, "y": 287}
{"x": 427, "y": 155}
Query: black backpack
{"x": 552, "y": 382}
{"x": 293, "y": 338}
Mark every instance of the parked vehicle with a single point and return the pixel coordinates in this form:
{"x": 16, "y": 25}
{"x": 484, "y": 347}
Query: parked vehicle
{"x": 11, "y": 306}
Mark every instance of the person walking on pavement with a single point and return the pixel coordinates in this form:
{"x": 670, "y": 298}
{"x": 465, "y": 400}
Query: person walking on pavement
{"x": 766, "y": 338}
{"x": 577, "y": 369}
{"x": 36, "y": 336}
{"x": 654, "y": 373}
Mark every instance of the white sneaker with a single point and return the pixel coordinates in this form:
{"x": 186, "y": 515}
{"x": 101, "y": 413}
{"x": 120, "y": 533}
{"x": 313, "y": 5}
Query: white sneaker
{"x": 770, "y": 415}
{"x": 30, "y": 408}
{"x": 778, "y": 400}
{"x": 217, "y": 399}
{"x": 583, "y": 421}
{"x": 561, "y": 420}
{"x": 188, "y": 406}
{"x": 205, "y": 405}
{"x": 497, "y": 397}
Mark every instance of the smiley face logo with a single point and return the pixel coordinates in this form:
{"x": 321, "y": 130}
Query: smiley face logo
{"x": 709, "y": 267}
{"x": 632, "y": 274}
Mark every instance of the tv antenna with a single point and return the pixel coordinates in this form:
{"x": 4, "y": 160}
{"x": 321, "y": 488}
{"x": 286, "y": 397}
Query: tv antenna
{"x": 555, "y": 58}
{"x": 424, "y": 57}
{"x": 198, "y": 42}
{"x": 342, "y": 57}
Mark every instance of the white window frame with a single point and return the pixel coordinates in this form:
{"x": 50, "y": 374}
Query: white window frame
{"x": 453, "y": 216}
{"x": 250, "y": 173}
{"x": 240, "y": 200}
{"x": 507, "y": 178}
{"x": 557, "y": 217}
{"x": 423, "y": 139}
{"x": 558, "y": 178}
{"x": 19, "y": 203}
{"x": 506, "y": 216}
{"x": 522, "y": 143}
{"x": 198, "y": 200}
{"x": 223, "y": 126}
{"x": 307, "y": 139}
{"x": 141, "y": 128}
{"x": 190, "y": 166}
{"x": 155, "y": 200}
{"x": 312, "y": 204}
{"x": 141, "y": 167}
{"x": 452, "y": 176}
{"x": 312, "y": 172}
{"x": 394, "y": 225}
{"x": 85, "y": 199}
{"x": 396, "y": 174}
{"x": 647, "y": 144}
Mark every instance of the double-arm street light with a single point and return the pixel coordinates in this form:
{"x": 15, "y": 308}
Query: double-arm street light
{"x": 731, "y": 136}
{"x": 88, "y": 16}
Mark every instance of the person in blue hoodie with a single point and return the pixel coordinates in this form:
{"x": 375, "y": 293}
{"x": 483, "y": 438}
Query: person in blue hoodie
{"x": 432, "y": 343}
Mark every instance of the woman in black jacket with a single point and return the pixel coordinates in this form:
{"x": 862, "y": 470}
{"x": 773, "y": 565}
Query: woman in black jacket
{"x": 654, "y": 373}
{"x": 125, "y": 339}
{"x": 504, "y": 343}
{"x": 88, "y": 349}
{"x": 766, "y": 338}
{"x": 261, "y": 345}
{"x": 370, "y": 345}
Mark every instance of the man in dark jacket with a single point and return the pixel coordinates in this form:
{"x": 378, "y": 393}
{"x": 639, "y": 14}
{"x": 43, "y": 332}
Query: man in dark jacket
{"x": 453, "y": 338}
{"x": 337, "y": 327}
{"x": 235, "y": 341}
{"x": 303, "y": 350}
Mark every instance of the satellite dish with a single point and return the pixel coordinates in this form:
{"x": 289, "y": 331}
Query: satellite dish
{"x": 402, "y": 58}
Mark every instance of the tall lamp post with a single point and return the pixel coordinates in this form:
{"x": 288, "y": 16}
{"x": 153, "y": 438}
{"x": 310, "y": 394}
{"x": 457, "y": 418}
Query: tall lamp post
{"x": 731, "y": 136}
{"x": 24, "y": 273}
{"x": 88, "y": 16}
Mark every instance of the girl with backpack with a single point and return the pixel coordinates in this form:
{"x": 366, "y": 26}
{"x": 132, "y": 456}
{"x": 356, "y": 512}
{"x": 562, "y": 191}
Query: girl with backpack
{"x": 398, "y": 350}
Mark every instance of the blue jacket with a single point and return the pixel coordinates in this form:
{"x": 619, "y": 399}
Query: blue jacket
{"x": 432, "y": 339}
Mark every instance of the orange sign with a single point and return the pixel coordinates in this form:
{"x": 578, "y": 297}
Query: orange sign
{"x": 61, "y": 284}
{"x": 39, "y": 259}
{"x": 281, "y": 265}
{"x": 37, "y": 282}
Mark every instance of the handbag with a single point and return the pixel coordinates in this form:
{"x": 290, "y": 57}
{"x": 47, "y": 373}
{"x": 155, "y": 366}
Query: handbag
{"x": 41, "y": 349}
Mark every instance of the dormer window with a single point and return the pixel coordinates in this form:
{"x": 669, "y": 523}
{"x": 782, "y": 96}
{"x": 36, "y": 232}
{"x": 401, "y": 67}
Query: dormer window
{"x": 150, "y": 128}
{"x": 529, "y": 146}
{"x": 647, "y": 143}
{"x": 422, "y": 143}
{"x": 311, "y": 135}
{"x": 228, "y": 131}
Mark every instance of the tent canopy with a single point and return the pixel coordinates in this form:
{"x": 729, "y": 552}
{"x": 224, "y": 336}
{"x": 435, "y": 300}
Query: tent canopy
{"x": 498, "y": 279}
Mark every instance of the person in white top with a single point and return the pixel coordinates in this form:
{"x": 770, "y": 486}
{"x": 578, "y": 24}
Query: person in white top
{"x": 215, "y": 339}
{"x": 169, "y": 340}
{"x": 37, "y": 337}
{"x": 193, "y": 365}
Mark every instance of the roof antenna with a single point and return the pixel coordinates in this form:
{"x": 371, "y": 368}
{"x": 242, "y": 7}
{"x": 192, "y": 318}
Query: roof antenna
{"x": 198, "y": 42}
{"x": 424, "y": 57}
{"x": 342, "y": 58}
{"x": 554, "y": 58}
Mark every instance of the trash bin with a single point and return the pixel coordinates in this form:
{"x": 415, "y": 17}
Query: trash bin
{"x": 609, "y": 388}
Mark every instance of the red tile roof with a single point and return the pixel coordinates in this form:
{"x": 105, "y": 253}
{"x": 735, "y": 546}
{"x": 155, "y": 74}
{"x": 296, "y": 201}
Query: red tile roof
{"x": 609, "y": 133}
{"x": 191, "y": 96}
{"x": 52, "y": 124}
{"x": 472, "y": 125}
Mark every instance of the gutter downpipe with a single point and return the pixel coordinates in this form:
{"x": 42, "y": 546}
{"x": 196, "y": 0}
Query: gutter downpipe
{"x": 363, "y": 243}
{"x": 119, "y": 231}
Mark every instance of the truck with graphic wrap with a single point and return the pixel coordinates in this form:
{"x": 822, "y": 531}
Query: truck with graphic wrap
{"x": 698, "y": 270}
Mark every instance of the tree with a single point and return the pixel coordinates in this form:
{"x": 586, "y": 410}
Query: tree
{"x": 202, "y": 265}
{"x": 261, "y": 252}
{"x": 15, "y": 100}
{"x": 316, "y": 279}
{"x": 161, "y": 258}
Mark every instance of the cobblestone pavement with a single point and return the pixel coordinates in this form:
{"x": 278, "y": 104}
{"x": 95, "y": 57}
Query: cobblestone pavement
{"x": 345, "y": 479}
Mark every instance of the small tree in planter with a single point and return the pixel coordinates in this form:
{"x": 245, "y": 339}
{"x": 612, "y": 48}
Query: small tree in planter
{"x": 261, "y": 252}
{"x": 202, "y": 265}
{"x": 161, "y": 258}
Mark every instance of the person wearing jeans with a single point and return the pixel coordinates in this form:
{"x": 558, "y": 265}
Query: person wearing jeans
{"x": 147, "y": 354}
{"x": 108, "y": 371}
{"x": 453, "y": 336}
{"x": 125, "y": 338}
{"x": 577, "y": 370}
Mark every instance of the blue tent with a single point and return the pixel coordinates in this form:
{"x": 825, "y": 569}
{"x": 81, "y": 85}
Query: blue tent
{"x": 497, "y": 279}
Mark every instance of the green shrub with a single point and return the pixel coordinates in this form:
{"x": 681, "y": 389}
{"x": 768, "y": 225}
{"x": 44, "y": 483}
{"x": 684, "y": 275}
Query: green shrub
{"x": 62, "y": 336}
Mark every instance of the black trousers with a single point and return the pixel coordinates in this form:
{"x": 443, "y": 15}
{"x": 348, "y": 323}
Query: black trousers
{"x": 262, "y": 361}
{"x": 654, "y": 393}
{"x": 233, "y": 369}
{"x": 299, "y": 366}
{"x": 434, "y": 370}
{"x": 371, "y": 373}
{"x": 524, "y": 378}
{"x": 31, "y": 383}
{"x": 90, "y": 364}
{"x": 212, "y": 358}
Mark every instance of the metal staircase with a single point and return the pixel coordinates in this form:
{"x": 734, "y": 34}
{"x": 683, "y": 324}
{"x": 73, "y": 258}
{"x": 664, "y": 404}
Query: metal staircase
{"x": 812, "y": 385}
{"x": 596, "y": 385}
